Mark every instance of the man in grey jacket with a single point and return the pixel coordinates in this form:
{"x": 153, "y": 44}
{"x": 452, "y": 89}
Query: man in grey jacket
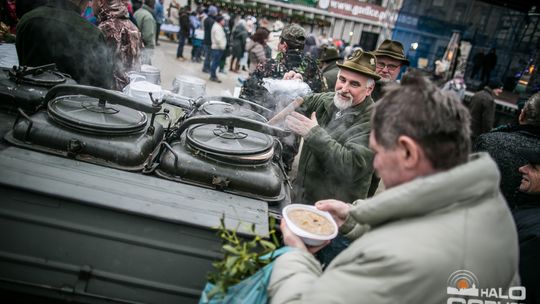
{"x": 441, "y": 219}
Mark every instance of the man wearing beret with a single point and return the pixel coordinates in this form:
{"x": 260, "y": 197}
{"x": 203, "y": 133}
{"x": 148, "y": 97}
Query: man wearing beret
{"x": 390, "y": 59}
{"x": 335, "y": 161}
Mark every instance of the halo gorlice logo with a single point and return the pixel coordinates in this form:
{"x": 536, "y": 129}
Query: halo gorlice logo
{"x": 463, "y": 288}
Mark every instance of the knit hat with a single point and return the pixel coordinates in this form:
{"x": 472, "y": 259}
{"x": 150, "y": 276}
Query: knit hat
{"x": 212, "y": 10}
{"x": 329, "y": 54}
{"x": 295, "y": 34}
{"x": 392, "y": 49}
{"x": 361, "y": 62}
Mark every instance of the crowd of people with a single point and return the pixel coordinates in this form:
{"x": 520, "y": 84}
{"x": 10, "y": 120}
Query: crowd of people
{"x": 361, "y": 127}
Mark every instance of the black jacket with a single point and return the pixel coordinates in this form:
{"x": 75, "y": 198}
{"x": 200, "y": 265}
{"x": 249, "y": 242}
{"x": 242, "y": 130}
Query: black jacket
{"x": 503, "y": 145}
{"x": 56, "y": 33}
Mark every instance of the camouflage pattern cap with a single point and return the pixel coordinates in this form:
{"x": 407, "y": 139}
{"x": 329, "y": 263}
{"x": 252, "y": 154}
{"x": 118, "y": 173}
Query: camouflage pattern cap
{"x": 294, "y": 33}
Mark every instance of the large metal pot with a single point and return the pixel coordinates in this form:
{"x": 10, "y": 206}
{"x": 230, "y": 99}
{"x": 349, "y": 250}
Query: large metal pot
{"x": 230, "y": 153}
{"x": 94, "y": 125}
{"x": 189, "y": 86}
{"x": 26, "y": 87}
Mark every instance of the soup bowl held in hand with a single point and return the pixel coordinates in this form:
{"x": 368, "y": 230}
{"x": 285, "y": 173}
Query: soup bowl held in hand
{"x": 312, "y": 225}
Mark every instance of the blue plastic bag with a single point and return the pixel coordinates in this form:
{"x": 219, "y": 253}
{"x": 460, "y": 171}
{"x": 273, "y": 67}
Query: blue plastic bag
{"x": 250, "y": 290}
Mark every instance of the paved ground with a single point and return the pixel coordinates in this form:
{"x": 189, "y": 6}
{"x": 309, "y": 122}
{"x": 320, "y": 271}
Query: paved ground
{"x": 165, "y": 59}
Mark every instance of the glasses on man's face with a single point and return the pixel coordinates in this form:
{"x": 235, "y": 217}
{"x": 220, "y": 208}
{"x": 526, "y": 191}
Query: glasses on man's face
{"x": 390, "y": 67}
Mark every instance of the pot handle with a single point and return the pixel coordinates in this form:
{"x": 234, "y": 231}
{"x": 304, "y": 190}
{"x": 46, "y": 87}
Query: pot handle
{"x": 233, "y": 121}
{"x": 103, "y": 95}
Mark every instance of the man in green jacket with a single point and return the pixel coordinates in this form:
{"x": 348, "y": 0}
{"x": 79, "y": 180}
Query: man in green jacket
{"x": 441, "y": 229}
{"x": 328, "y": 58}
{"x": 147, "y": 25}
{"x": 335, "y": 161}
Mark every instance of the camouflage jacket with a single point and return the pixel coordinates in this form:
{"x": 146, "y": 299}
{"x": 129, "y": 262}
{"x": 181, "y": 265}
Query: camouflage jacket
{"x": 292, "y": 60}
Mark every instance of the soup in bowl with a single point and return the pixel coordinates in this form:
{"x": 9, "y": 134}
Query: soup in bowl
{"x": 312, "y": 225}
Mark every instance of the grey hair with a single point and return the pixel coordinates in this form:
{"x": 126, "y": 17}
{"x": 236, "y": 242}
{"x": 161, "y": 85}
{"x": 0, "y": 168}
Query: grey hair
{"x": 532, "y": 110}
{"x": 370, "y": 82}
{"x": 440, "y": 123}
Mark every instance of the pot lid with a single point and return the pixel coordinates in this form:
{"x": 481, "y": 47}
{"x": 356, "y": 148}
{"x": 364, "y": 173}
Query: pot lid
{"x": 89, "y": 114}
{"x": 223, "y": 108}
{"x": 228, "y": 140}
{"x": 40, "y": 78}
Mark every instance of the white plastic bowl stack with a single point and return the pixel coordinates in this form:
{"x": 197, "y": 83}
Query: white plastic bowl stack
{"x": 141, "y": 90}
{"x": 309, "y": 238}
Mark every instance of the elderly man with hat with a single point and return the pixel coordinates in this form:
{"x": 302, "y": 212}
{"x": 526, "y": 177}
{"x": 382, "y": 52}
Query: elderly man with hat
{"x": 328, "y": 57}
{"x": 390, "y": 59}
{"x": 335, "y": 161}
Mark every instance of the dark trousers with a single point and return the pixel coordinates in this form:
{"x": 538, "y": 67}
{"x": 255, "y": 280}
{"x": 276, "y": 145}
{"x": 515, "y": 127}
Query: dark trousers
{"x": 181, "y": 43}
{"x": 158, "y": 30}
{"x": 528, "y": 227}
{"x": 330, "y": 251}
{"x": 216, "y": 58}
{"x": 207, "y": 57}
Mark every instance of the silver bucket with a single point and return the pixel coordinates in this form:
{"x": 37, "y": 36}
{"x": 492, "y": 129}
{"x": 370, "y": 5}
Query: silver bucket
{"x": 189, "y": 86}
{"x": 151, "y": 73}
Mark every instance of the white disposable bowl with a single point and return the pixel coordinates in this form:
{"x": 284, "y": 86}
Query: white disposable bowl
{"x": 309, "y": 238}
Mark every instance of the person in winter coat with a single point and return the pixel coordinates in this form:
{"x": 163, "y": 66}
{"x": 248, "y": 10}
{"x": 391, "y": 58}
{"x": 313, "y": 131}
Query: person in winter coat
{"x": 456, "y": 86}
{"x": 56, "y": 33}
{"x": 482, "y": 107}
{"x": 440, "y": 218}
{"x": 184, "y": 33}
{"x": 255, "y": 46}
{"x": 208, "y": 24}
{"x": 528, "y": 225}
{"x": 328, "y": 58}
{"x": 335, "y": 129}
{"x": 219, "y": 43}
{"x": 147, "y": 25}
{"x": 504, "y": 145}
{"x": 122, "y": 36}
{"x": 238, "y": 44}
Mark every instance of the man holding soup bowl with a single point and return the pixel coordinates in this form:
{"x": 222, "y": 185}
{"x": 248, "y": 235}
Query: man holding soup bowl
{"x": 441, "y": 213}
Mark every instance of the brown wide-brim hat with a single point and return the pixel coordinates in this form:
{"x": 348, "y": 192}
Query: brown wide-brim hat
{"x": 361, "y": 62}
{"x": 393, "y": 49}
{"x": 329, "y": 54}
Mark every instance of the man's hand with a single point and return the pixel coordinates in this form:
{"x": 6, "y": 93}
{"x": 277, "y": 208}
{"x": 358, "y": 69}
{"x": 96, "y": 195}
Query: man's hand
{"x": 338, "y": 209}
{"x": 293, "y": 75}
{"x": 292, "y": 240}
{"x": 300, "y": 124}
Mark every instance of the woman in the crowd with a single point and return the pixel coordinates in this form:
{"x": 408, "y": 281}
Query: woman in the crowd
{"x": 256, "y": 48}
{"x": 238, "y": 43}
{"x": 122, "y": 37}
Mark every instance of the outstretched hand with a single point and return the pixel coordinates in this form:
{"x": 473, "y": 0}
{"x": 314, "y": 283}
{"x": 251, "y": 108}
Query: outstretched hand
{"x": 300, "y": 124}
{"x": 293, "y": 75}
{"x": 338, "y": 209}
